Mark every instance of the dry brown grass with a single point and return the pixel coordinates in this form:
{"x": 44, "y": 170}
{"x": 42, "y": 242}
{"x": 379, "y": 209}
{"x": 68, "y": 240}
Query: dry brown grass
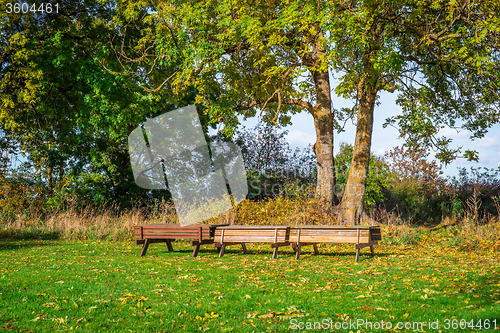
{"x": 465, "y": 232}
{"x": 81, "y": 225}
{"x": 111, "y": 224}
{"x": 89, "y": 223}
{"x": 461, "y": 232}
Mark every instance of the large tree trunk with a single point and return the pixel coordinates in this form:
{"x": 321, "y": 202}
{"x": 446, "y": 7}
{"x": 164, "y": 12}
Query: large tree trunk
{"x": 352, "y": 206}
{"x": 323, "y": 148}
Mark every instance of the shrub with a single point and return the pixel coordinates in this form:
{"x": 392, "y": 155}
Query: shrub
{"x": 273, "y": 168}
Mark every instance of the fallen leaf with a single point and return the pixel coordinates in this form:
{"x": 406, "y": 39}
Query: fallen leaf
{"x": 269, "y": 315}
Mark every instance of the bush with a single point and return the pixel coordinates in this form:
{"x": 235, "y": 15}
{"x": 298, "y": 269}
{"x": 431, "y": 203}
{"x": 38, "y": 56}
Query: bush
{"x": 417, "y": 191}
{"x": 273, "y": 169}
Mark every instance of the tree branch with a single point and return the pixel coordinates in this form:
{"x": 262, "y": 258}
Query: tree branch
{"x": 289, "y": 101}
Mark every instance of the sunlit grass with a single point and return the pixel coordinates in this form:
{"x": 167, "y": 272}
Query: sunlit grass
{"x": 53, "y": 285}
{"x": 82, "y": 271}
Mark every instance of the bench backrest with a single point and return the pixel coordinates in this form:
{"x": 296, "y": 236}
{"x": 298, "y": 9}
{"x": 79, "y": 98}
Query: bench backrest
{"x": 252, "y": 234}
{"x": 329, "y": 234}
{"x": 303, "y": 234}
{"x": 174, "y": 231}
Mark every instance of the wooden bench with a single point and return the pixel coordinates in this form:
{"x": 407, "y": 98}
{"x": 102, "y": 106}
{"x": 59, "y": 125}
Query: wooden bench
{"x": 361, "y": 236}
{"x": 240, "y": 234}
{"x": 168, "y": 233}
{"x": 297, "y": 236}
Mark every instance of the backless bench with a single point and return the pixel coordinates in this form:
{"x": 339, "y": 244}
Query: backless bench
{"x": 167, "y": 233}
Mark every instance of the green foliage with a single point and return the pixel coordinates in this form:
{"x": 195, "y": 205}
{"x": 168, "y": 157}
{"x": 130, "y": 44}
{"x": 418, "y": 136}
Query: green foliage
{"x": 74, "y": 85}
{"x": 419, "y": 193}
{"x": 21, "y": 193}
{"x": 477, "y": 193}
{"x": 418, "y": 202}
{"x": 244, "y": 57}
{"x": 439, "y": 56}
{"x": 273, "y": 169}
{"x": 68, "y": 114}
{"x": 239, "y": 56}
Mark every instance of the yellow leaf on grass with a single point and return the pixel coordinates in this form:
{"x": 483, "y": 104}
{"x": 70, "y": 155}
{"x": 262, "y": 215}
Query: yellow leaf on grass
{"x": 252, "y": 314}
{"x": 211, "y": 315}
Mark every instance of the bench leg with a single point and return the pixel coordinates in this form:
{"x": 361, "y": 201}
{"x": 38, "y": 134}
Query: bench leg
{"x": 316, "y": 252}
{"x": 195, "y": 250}
{"x": 357, "y": 254}
{"x": 372, "y": 250}
{"x": 222, "y": 249}
{"x": 244, "y": 247}
{"x": 297, "y": 253}
{"x": 145, "y": 247}
{"x": 275, "y": 253}
{"x": 169, "y": 246}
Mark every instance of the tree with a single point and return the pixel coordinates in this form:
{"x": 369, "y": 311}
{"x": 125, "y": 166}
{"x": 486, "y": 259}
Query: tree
{"x": 242, "y": 57}
{"x": 275, "y": 56}
{"x": 413, "y": 166}
{"x": 70, "y": 115}
{"x": 417, "y": 189}
{"x": 441, "y": 56}
{"x": 264, "y": 149}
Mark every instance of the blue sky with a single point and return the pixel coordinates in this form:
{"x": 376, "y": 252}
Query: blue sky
{"x": 301, "y": 134}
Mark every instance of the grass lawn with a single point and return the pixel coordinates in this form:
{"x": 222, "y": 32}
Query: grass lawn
{"x": 48, "y": 286}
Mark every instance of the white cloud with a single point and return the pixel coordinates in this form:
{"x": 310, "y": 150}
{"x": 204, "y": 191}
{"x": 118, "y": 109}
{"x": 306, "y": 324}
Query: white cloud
{"x": 489, "y": 143}
{"x": 381, "y": 152}
{"x": 300, "y": 139}
{"x": 453, "y": 133}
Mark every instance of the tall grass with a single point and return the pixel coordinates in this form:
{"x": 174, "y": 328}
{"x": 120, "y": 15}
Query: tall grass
{"x": 466, "y": 232}
{"x": 110, "y": 223}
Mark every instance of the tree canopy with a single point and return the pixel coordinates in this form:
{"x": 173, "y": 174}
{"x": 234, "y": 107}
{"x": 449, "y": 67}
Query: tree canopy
{"x": 75, "y": 83}
{"x": 69, "y": 115}
{"x": 442, "y": 57}
{"x": 275, "y": 56}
